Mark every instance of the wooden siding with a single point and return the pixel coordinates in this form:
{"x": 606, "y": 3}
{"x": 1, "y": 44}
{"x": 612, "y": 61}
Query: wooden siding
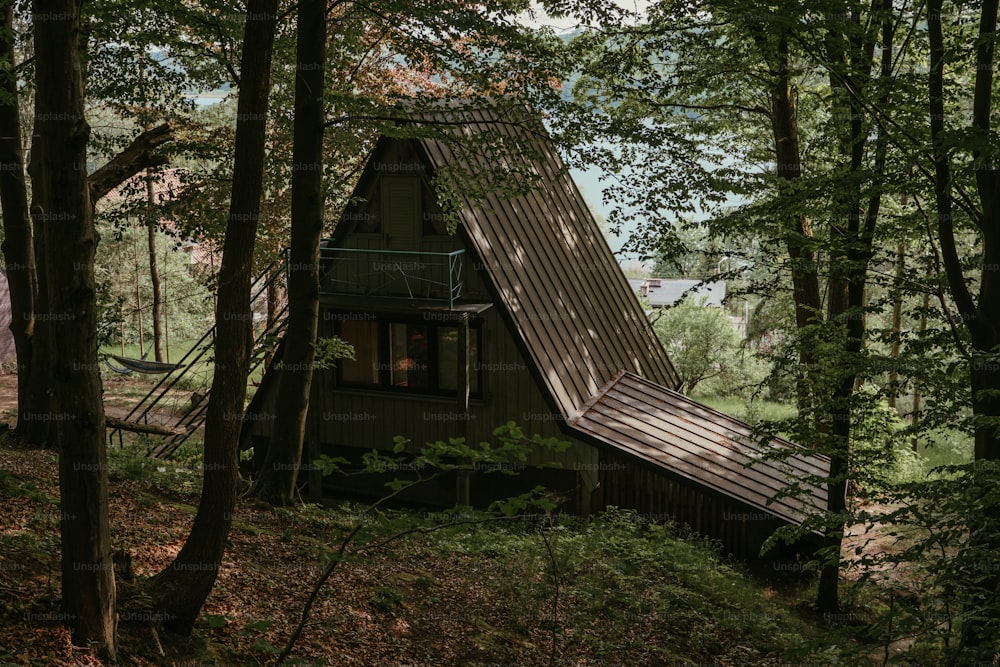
{"x": 659, "y": 497}
{"x": 372, "y": 418}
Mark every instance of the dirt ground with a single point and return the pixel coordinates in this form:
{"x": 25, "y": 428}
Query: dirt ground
{"x": 120, "y": 396}
{"x": 8, "y": 397}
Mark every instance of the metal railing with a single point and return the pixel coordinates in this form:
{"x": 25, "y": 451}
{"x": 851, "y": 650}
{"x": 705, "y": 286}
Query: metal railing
{"x": 429, "y": 276}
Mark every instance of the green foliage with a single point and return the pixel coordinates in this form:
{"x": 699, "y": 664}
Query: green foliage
{"x": 634, "y": 576}
{"x": 505, "y": 456}
{"x": 215, "y": 621}
{"x": 750, "y": 407}
{"x": 945, "y": 531}
{"x": 122, "y": 268}
{"x": 386, "y": 599}
{"x": 329, "y": 350}
{"x": 703, "y": 346}
{"x": 181, "y": 474}
{"x": 881, "y": 453}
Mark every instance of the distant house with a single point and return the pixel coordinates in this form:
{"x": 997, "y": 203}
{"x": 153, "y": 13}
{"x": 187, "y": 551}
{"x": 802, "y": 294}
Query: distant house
{"x": 522, "y": 315}
{"x": 666, "y": 292}
{"x": 663, "y": 292}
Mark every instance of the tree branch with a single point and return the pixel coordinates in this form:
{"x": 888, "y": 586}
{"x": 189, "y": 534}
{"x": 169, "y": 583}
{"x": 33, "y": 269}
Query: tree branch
{"x": 136, "y": 157}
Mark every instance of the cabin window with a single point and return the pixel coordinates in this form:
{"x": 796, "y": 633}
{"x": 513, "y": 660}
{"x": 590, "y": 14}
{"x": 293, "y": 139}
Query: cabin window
{"x": 448, "y": 359}
{"x": 407, "y": 355}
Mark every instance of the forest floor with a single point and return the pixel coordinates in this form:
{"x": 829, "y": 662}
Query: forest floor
{"x": 618, "y": 595}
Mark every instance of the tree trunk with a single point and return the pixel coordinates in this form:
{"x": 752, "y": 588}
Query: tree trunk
{"x": 138, "y": 295}
{"x": 797, "y": 232}
{"x": 154, "y": 272}
{"x": 137, "y": 156}
{"x": 18, "y": 250}
{"x": 915, "y": 413}
{"x": 276, "y": 483}
{"x": 897, "y": 324}
{"x": 64, "y": 212}
{"x": 180, "y": 590}
{"x": 34, "y": 378}
{"x": 983, "y": 318}
{"x": 851, "y": 234}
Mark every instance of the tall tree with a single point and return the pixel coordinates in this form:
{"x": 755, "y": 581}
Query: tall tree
{"x": 63, "y": 214}
{"x": 278, "y": 475}
{"x": 980, "y": 314}
{"x": 18, "y": 249}
{"x": 693, "y": 73}
{"x": 181, "y": 589}
{"x": 152, "y": 226}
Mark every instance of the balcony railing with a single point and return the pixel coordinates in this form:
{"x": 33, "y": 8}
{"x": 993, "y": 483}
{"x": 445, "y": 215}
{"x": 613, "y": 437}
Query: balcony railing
{"x": 428, "y": 276}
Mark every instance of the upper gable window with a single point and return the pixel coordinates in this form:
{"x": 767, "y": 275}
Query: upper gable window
{"x": 435, "y": 222}
{"x": 367, "y": 215}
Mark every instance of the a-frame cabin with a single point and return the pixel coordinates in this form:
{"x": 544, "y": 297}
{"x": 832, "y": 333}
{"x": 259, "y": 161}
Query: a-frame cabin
{"x": 527, "y": 292}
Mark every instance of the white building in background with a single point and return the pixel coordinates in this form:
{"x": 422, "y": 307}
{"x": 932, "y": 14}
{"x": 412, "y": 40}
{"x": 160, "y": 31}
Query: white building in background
{"x": 666, "y": 292}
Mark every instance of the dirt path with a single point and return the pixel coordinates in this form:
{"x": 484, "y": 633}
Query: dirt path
{"x": 8, "y": 398}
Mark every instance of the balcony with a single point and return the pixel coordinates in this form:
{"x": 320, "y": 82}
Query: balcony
{"x": 433, "y": 278}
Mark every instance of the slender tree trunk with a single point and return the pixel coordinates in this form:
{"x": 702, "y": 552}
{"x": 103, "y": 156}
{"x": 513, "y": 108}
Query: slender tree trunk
{"x": 797, "y": 230}
{"x": 277, "y": 480}
{"x": 63, "y": 210}
{"x": 897, "y": 324}
{"x": 915, "y": 414}
{"x": 180, "y": 590}
{"x": 18, "y": 249}
{"x": 154, "y": 272}
{"x": 138, "y": 295}
{"x": 851, "y": 234}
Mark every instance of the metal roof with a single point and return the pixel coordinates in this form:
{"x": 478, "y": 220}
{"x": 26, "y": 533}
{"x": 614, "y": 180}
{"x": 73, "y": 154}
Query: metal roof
{"x": 671, "y": 431}
{"x": 545, "y": 255}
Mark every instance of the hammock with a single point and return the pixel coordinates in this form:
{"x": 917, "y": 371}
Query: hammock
{"x": 140, "y": 366}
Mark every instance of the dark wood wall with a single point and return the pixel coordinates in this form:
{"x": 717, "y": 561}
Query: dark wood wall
{"x": 740, "y": 528}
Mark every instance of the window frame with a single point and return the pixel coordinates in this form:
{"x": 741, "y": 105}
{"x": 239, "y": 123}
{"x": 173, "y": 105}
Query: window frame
{"x": 384, "y": 322}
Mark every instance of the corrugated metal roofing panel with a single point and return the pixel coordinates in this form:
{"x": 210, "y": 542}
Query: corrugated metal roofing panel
{"x": 548, "y": 261}
{"x": 670, "y": 430}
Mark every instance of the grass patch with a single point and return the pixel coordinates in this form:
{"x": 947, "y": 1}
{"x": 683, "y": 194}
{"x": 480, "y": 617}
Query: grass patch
{"x": 182, "y": 473}
{"x": 753, "y": 411}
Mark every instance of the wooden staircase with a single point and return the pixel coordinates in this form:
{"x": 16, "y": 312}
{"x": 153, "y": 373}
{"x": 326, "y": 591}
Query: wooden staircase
{"x": 157, "y": 413}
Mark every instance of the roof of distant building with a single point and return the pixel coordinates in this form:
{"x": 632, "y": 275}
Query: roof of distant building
{"x": 662, "y": 292}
